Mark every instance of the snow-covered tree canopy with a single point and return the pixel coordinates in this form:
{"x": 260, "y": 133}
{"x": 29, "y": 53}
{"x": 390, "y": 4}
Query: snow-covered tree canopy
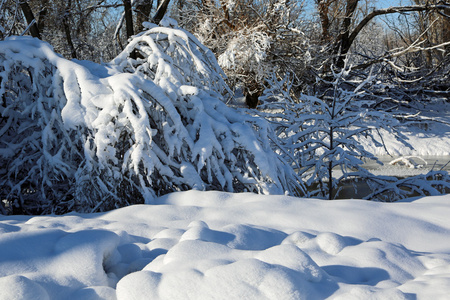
{"x": 75, "y": 135}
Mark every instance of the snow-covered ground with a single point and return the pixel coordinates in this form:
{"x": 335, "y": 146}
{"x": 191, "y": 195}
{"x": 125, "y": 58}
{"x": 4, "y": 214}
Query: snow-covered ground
{"x": 431, "y": 137}
{"x": 215, "y": 245}
{"x": 429, "y": 140}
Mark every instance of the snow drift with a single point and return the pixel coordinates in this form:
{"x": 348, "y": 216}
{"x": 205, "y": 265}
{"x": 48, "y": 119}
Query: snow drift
{"x": 217, "y": 245}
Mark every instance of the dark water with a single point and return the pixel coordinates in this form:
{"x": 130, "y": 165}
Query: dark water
{"x": 424, "y": 164}
{"x": 418, "y": 166}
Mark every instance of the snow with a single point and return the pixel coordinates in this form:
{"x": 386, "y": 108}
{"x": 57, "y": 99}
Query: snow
{"x": 218, "y": 245}
{"x": 431, "y": 137}
{"x": 197, "y": 244}
{"x": 97, "y": 137}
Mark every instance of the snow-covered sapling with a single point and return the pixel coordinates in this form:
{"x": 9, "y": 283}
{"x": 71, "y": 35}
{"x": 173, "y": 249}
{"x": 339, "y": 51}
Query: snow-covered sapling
{"x": 320, "y": 133}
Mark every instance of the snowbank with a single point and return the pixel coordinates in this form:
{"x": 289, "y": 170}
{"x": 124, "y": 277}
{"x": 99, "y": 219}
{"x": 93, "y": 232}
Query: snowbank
{"x": 431, "y": 137}
{"x": 204, "y": 245}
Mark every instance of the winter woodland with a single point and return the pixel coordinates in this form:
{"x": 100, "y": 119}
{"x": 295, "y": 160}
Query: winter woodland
{"x": 190, "y": 149}
{"x": 266, "y": 101}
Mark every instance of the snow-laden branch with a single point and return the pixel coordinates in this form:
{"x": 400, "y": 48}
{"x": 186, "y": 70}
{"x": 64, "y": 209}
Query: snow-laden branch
{"x": 322, "y": 134}
{"x": 431, "y": 184}
{"x": 174, "y": 55}
{"x": 87, "y": 137}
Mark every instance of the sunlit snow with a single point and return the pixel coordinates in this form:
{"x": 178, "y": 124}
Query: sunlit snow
{"x": 216, "y": 245}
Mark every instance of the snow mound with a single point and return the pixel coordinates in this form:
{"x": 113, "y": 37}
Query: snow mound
{"x": 204, "y": 245}
{"x": 20, "y": 287}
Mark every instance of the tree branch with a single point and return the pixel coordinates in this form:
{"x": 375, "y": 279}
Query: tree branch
{"x": 390, "y": 10}
{"x": 414, "y": 47}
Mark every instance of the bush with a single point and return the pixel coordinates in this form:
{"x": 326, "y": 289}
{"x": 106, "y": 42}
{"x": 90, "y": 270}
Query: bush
{"x": 320, "y": 133}
{"x": 80, "y": 136}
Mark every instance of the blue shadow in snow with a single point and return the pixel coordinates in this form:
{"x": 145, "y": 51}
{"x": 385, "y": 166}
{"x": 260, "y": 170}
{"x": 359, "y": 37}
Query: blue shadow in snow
{"x": 354, "y": 275}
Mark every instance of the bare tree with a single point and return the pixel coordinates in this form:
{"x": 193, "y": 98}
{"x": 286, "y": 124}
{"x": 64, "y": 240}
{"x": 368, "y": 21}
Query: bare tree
{"x": 349, "y": 29}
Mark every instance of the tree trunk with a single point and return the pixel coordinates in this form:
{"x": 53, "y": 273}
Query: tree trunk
{"x": 143, "y": 10}
{"x": 128, "y": 18}
{"x": 129, "y": 23}
{"x": 42, "y": 15}
{"x": 73, "y": 52}
{"x": 344, "y": 42}
{"x": 28, "y": 13}
{"x": 66, "y": 25}
{"x": 446, "y": 27}
{"x": 322, "y": 7}
{"x": 161, "y": 11}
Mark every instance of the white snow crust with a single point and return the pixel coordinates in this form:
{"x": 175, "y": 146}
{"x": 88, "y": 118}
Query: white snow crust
{"x": 431, "y": 137}
{"x": 217, "y": 245}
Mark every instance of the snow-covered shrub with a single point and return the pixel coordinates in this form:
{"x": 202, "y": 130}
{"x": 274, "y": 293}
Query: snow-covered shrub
{"x": 36, "y": 157}
{"x": 46, "y": 131}
{"x": 172, "y": 57}
{"x": 320, "y": 133}
{"x": 81, "y": 136}
{"x": 204, "y": 144}
{"x": 246, "y": 54}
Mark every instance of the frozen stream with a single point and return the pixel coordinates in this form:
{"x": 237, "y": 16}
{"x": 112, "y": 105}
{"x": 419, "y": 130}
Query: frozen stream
{"x": 406, "y": 167}
{"x": 410, "y": 166}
